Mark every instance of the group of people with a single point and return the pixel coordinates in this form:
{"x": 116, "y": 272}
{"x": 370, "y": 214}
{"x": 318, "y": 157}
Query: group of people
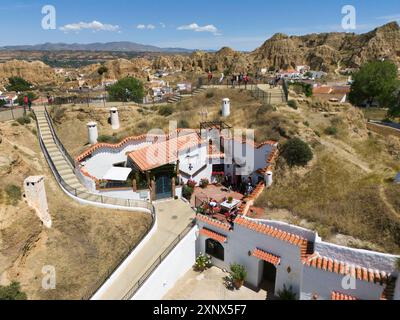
{"x": 236, "y": 79}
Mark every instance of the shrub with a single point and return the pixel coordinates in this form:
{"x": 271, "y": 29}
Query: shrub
{"x": 292, "y": 104}
{"x": 183, "y": 124}
{"x": 238, "y": 272}
{"x": 203, "y": 262}
{"x": 265, "y": 108}
{"x": 296, "y": 152}
{"x": 398, "y": 264}
{"x": 107, "y": 139}
{"x": 187, "y": 192}
{"x": 287, "y": 294}
{"x": 14, "y": 194}
{"x": 58, "y": 114}
{"x": 210, "y": 94}
{"x": 166, "y": 111}
{"x": 12, "y": 292}
{"x": 204, "y": 183}
{"x": 24, "y": 120}
{"x": 191, "y": 184}
{"x": 18, "y": 84}
{"x": 306, "y": 123}
{"x": 331, "y": 131}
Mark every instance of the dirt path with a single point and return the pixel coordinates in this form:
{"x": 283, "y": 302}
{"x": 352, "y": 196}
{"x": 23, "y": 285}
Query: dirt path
{"x": 345, "y": 153}
{"x": 382, "y": 194}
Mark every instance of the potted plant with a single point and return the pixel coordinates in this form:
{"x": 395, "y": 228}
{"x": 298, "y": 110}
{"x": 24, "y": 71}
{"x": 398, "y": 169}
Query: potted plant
{"x": 239, "y": 275}
{"x": 230, "y": 200}
{"x": 204, "y": 183}
{"x": 203, "y": 262}
{"x": 287, "y": 294}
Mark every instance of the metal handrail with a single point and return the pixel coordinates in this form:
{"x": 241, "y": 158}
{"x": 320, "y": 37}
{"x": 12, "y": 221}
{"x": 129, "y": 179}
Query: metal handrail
{"x": 138, "y": 284}
{"x": 57, "y": 140}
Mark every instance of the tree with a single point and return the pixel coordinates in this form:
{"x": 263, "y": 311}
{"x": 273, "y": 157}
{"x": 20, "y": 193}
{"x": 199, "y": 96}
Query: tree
{"x": 18, "y": 84}
{"x": 127, "y": 89}
{"x": 375, "y": 81}
{"x": 102, "y": 70}
{"x": 297, "y": 152}
{"x": 12, "y": 292}
{"x": 394, "y": 110}
{"x": 2, "y": 103}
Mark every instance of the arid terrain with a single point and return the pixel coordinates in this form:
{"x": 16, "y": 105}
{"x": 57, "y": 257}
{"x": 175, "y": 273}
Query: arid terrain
{"x": 358, "y": 204}
{"x": 84, "y": 242}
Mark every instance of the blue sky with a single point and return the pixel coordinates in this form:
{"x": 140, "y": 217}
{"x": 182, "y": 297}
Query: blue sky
{"x": 205, "y": 24}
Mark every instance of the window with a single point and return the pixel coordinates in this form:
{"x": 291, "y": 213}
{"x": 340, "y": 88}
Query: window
{"x": 215, "y": 249}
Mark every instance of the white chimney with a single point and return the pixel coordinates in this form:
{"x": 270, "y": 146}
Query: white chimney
{"x": 92, "y": 132}
{"x": 114, "y": 118}
{"x": 35, "y": 195}
{"x": 226, "y": 107}
{"x": 268, "y": 178}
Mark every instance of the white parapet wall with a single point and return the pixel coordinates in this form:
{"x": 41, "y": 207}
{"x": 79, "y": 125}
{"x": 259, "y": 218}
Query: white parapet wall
{"x": 178, "y": 262}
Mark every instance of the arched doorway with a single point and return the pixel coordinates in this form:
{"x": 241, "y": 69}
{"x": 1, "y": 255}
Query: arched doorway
{"x": 215, "y": 249}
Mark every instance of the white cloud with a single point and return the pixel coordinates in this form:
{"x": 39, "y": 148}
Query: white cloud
{"x": 392, "y": 17}
{"x": 144, "y": 27}
{"x": 94, "y": 25}
{"x": 163, "y": 25}
{"x": 195, "y": 27}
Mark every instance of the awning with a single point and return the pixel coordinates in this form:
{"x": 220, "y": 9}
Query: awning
{"x": 213, "y": 235}
{"x": 267, "y": 257}
{"x": 117, "y": 174}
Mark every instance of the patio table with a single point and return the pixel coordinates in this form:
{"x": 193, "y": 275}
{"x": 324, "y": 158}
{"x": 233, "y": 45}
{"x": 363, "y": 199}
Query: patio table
{"x": 230, "y": 206}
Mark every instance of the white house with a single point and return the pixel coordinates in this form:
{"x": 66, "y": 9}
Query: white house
{"x": 278, "y": 255}
{"x": 161, "y": 164}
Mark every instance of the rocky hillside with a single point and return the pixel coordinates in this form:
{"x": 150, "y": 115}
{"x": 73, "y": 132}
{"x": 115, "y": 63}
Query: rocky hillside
{"x": 328, "y": 51}
{"x": 35, "y": 72}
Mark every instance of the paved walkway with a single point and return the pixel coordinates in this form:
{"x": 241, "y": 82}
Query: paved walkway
{"x": 173, "y": 218}
{"x": 210, "y": 285}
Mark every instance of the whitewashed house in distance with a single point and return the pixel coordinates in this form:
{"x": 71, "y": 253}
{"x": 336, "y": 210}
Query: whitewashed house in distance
{"x": 156, "y": 166}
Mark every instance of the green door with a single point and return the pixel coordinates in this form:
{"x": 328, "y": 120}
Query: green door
{"x": 163, "y": 187}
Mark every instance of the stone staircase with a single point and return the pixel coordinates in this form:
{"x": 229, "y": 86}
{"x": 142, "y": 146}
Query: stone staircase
{"x": 63, "y": 169}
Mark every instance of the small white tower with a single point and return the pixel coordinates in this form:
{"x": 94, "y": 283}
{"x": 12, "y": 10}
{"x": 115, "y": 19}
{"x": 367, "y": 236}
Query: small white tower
{"x": 35, "y": 194}
{"x": 114, "y": 118}
{"x": 92, "y": 132}
{"x": 226, "y": 107}
{"x": 268, "y": 178}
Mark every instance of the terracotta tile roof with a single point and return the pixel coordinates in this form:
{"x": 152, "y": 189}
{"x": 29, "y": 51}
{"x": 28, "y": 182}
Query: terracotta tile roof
{"x": 343, "y": 297}
{"x": 249, "y": 201}
{"x": 213, "y": 222}
{"x": 270, "y": 161}
{"x": 344, "y": 268}
{"x": 163, "y": 153}
{"x": 271, "y": 232}
{"x": 268, "y": 257}
{"x": 213, "y": 235}
{"x": 152, "y": 138}
{"x": 322, "y": 90}
{"x": 87, "y": 174}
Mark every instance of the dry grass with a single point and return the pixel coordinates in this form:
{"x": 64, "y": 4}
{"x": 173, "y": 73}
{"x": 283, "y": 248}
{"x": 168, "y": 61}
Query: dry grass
{"x": 339, "y": 197}
{"x": 83, "y": 243}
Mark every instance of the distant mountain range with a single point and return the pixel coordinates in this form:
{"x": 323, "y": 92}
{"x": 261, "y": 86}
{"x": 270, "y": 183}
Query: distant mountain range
{"x": 124, "y": 46}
